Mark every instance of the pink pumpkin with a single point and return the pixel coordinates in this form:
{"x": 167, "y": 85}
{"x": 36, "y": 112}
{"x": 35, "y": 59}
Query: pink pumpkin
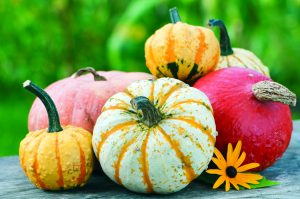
{"x": 79, "y": 98}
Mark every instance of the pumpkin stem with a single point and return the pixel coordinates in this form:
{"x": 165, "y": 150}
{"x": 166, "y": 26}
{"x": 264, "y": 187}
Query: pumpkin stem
{"x": 82, "y": 71}
{"x": 272, "y": 91}
{"x": 224, "y": 38}
{"x": 151, "y": 116}
{"x": 53, "y": 118}
{"x": 174, "y": 15}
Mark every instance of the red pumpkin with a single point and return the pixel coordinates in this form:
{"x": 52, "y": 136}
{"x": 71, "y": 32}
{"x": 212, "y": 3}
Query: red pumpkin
{"x": 79, "y": 99}
{"x": 247, "y": 106}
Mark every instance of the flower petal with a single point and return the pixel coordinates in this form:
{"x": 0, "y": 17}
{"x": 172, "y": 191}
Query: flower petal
{"x": 227, "y": 186}
{"x": 220, "y": 164}
{"x": 235, "y": 153}
{"x": 219, "y": 181}
{"x": 215, "y": 171}
{"x": 247, "y": 167}
{"x": 249, "y": 176}
{"x": 229, "y": 153}
{"x": 233, "y": 182}
{"x": 244, "y": 185}
{"x": 240, "y": 160}
{"x": 219, "y": 155}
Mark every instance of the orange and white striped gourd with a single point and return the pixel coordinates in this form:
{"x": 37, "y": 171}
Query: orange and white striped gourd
{"x": 236, "y": 56}
{"x": 182, "y": 51}
{"x": 58, "y": 157}
{"x": 156, "y": 136}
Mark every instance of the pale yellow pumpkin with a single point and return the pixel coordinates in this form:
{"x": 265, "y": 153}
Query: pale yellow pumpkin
{"x": 182, "y": 51}
{"x": 236, "y": 56}
{"x": 58, "y": 157}
{"x": 157, "y": 136}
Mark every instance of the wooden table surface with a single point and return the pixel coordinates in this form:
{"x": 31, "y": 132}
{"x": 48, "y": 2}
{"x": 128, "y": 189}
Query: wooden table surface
{"x": 14, "y": 184}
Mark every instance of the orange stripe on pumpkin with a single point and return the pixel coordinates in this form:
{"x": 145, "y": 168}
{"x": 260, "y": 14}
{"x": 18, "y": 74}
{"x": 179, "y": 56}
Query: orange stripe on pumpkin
{"x": 151, "y": 95}
{"x": 191, "y": 101}
{"x": 205, "y": 130}
{"x": 105, "y": 135}
{"x": 60, "y": 180}
{"x": 82, "y": 174}
{"x": 145, "y": 164}
{"x": 170, "y": 43}
{"x": 123, "y": 150}
{"x": 39, "y": 181}
{"x": 201, "y": 48}
{"x": 114, "y": 108}
{"x": 151, "y": 58}
{"x": 127, "y": 92}
{"x": 189, "y": 171}
{"x": 164, "y": 98}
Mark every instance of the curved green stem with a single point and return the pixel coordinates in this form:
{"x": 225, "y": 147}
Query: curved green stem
{"x": 53, "y": 118}
{"x": 151, "y": 116}
{"x": 174, "y": 15}
{"x": 224, "y": 38}
{"x": 91, "y": 70}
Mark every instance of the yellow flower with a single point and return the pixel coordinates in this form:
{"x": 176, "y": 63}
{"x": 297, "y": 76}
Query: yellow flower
{"x": 230, "y": 171}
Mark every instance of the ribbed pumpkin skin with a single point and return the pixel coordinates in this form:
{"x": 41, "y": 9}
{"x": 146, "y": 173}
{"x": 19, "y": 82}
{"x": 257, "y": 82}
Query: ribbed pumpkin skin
{"x": 243, "y": 58}
{"x": 60, "y": 160}
{"x": 165, "y": 157}
{"x": 182, "y": 51}
{"x": 79, "y": 100}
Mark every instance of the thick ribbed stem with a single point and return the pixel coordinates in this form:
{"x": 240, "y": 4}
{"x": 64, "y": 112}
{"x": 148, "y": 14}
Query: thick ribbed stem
{"x": 174, "y": 15}
{"x": 272, "y": 91}
{"x": 53, "y": 118}
{"x": 151, "y": 115}
{"x": 91, "y": 70}
{"x": 224, "y": 38}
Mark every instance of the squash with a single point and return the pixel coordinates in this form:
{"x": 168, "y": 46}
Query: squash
{"x": 181, "y": 51}
{"x": 250, "y": 107}
{"x": 79, "y": 98}
{"x": 236, "y": 56}
{"x": 156, "y": 136}
{"x": 58, "y": 157}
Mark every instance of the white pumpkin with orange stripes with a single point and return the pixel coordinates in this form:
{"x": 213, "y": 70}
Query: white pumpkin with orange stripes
{"x": 182, "y": 51}
{"x": 156, "y": 136}
{"x": 236, "y": 56}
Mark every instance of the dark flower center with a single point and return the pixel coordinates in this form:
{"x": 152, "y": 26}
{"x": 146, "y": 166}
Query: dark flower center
{"x": 231, "y": 172}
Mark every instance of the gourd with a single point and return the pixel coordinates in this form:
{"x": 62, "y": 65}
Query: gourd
{"x": 181, "y": 51}
{"x": 235, "y": 56}
{"x": 58, "y": 157}
{"x": 156, "y": 136}
{"x": 79, "y": 98}
{"x": 250, "y": 107}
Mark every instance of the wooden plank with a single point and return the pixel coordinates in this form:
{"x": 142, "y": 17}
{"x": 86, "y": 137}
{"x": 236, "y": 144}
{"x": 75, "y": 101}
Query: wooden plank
{"x": 14, "y": 184}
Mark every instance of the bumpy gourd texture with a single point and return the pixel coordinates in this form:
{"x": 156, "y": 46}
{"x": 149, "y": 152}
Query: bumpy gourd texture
{"x": 60, "y": 160}
{"x": 182, "y": 51}
{"x": 165, "y": 157}
{"x": 243, "y": 58}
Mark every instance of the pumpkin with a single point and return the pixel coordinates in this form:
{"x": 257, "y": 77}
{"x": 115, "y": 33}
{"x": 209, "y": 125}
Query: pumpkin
{"x": 250, "y": 107}
{"x": 235, "y": 56}
{"x": 156, "y": 136}
{"x": 79, "y": 98}
{"x": 58, "y": 157}
{"x": 181, "y": 50}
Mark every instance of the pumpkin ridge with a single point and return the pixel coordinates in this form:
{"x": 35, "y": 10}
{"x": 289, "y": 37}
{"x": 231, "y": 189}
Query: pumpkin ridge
{"x": 123, "y": 150}
{"x": 197, "y": 125}
{"x": 110, "y": 132}
{"x": 239, "y": 60}
{"x": 127, "y": 92}
{"x": 201, "y": 48}
{"x": 39, "y": 181}
{"x": 170, "y": 43}
{"x": 151, "y": 95}
{"x": 189, "y": 171}
{"x": 254, "y": 65}
{"x": 28, "y": 141}
{"x": 167, "y": 95}
{"x": 145, "y": 164}
{"x": 151, "y": 56}
{"x": 82, "y": 174}
{"x": 114, "y": 108}
{"x": 60, "y": 180}
{"x": 191, "y": 101}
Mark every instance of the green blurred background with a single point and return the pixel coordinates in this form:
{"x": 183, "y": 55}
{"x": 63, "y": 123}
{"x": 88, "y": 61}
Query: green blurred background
{"x": 48, "y": 40}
